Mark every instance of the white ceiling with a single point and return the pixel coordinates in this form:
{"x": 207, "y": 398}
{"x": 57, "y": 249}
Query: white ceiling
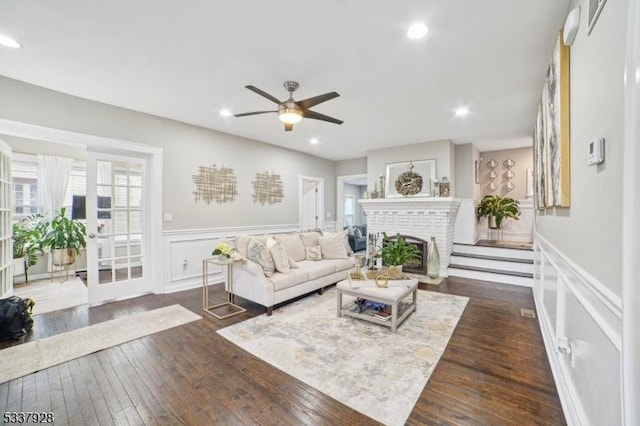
{"x": 187, "y": 60}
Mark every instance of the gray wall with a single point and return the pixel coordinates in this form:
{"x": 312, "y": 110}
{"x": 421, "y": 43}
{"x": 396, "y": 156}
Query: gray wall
{"x": 354, "y": 166}
{"x": 523, "y": 158}
{"x": 589, "y": 232}
{"x": 185, "y": 148}
{"x": 442, "y": 151}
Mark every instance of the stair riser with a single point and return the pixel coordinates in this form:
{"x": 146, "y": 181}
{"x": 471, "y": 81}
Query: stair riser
{"x": 487, "y": 276}
{"x": 493, "y": 264}
{"x": 494, "y": 251}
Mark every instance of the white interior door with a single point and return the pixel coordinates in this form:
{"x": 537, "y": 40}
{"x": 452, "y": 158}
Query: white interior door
{"x": 117, "y": 227}
{"x": 6, "y": 250}
{"x": 311, "y": 203}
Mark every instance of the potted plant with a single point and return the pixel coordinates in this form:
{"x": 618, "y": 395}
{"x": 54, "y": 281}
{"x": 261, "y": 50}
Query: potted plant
{"x": 26, "y": 237}
{"x": 497, "y": 209}
{"x": 396, "y": 252}
{"x": 64, "y": 237}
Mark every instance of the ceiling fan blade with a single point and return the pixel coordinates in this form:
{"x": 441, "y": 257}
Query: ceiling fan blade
{"x": 288, "y": 127}
{"x": 318, "y": 116}
{"x": 263, "y": 94}
{"x": 244, "y": 114}
{"x": 310, "y": 102}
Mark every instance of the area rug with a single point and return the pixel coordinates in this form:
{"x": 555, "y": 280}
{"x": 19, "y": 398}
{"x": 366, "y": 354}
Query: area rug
{"x": 20, "y": 360}
{"x": 363, "y": 365}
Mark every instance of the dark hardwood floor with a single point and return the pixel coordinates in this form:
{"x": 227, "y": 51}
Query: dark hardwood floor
{"x": 493, "y": 372}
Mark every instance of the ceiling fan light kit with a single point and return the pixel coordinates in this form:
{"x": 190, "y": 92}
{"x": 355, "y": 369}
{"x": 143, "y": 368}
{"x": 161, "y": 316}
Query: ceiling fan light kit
{"x": 291, "y": 111}
{"x": 288, "y": 112}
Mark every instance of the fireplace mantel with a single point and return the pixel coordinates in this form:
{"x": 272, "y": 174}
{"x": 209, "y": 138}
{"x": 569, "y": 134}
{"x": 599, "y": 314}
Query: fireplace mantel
{"x": 419, "y": 217}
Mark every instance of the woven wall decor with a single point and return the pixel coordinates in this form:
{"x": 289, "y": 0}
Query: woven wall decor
{"x": 267, "y": 188}
{"x": 409, "y": 182}
{"x": 215, "y": 184}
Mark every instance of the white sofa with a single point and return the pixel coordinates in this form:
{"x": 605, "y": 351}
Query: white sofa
{"x": 250, "y": 282}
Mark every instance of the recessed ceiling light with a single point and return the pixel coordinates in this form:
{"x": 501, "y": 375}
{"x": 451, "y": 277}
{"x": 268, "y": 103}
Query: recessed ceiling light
{"x": 225, "y": 113}
{"x": 417, "y": 31}
{"x": 314, "y": 141}
{"x": 9, "y": 42}
{"x": 462, "y": 111}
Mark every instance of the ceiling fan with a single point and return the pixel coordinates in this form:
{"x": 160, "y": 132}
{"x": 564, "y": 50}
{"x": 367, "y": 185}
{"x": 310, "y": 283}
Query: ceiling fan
{"x": 290, "y": 111}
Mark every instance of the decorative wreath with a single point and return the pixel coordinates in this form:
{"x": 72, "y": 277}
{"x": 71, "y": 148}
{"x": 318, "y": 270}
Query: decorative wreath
{"x": 409, "y": 183}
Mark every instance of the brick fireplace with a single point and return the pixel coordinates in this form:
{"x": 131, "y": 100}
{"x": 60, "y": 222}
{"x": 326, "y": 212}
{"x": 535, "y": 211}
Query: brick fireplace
{"x": 420, "y": 218}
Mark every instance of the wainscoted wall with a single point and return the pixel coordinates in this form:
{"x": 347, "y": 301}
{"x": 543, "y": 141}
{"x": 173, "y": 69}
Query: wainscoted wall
{"x": 581, "y": 323}
{"x": 514, "y": 230}
{"x": 185, "y": 249}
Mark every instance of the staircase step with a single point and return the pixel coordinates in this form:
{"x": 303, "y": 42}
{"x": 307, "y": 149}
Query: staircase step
{"x": 493, "y": 263}
{"x": 492, "y": 271}
{"x": 497, "y": 258}
{"x": 516, "y": 245}
{"x": 493, "y": 251}
{"x": 491, "y": 277}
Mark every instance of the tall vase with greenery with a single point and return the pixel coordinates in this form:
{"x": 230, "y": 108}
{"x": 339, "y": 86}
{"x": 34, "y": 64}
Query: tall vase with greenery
{"x": 64, "y": 237}
{"x": 396, "y": 252}
{"x": 496, "y": 209}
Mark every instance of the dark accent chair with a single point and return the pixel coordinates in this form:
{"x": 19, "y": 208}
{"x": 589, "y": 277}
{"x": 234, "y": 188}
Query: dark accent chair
{"x": 358, "y": 243}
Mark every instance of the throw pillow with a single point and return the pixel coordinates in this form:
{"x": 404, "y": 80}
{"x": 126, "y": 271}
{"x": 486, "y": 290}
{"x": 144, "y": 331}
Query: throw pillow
{"x": 279, "y": 255}
{"x": 358, "y": 232}
{"x": 350, "y": 230}
{"x": 293, "y": 246}
{"x": 242, "y": 242}
{"x": 333, "y": 246}
{"x": 314, "y": 253}
{"x": 259, "y": 253}
{"x": 347, "y": 246}
{"x": 310, "y": 239}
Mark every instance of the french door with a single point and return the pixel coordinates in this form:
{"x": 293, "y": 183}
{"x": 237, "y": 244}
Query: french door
{"x": 117, "y": 227}
{"x": 6, "y": 251}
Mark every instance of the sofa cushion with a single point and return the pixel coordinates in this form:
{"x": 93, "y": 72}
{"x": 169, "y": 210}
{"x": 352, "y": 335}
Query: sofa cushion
{"x": 310, "y": 239}
{"x": 258, "y": 252}
{"x": 333, "y": 246}
{"x": 313, "y": 253}
{"x": 293, "y": 246}
{"x": 317, "y": 269}
{"x": 340, "y": 264}
{"x": 281, "y": 281}
{"x": 279, "y": 255}
{"x": 241, "y": 243}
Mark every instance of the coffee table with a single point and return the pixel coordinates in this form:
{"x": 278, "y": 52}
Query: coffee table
{"x": 394, "y": 295}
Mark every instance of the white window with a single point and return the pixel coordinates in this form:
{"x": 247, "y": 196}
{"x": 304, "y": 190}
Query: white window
{"x": 349, "y": 210}
{"x": 25, "y": 186}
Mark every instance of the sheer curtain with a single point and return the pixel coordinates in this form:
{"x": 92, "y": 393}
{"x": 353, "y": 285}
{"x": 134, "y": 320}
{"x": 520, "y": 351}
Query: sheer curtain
{"x": 53, "y": 179}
